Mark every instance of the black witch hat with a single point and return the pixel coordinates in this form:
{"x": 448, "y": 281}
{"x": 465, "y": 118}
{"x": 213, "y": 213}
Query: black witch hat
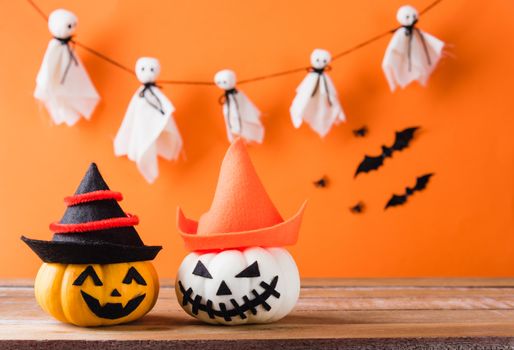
{"x": 94, "y": 229}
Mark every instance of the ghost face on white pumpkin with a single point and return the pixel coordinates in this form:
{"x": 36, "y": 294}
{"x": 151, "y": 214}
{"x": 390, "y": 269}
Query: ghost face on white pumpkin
{"x": 320, "y": 58}
{"x": 231, "y": 287}
{"x": 407, "y": 15}
{"x": 147, "y": 69}
{"x": 225, "y": 79}
{"x": 62, "y": 23}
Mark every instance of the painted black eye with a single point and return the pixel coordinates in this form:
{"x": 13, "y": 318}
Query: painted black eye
{"x": 250, "y": 271}
{"x": 151, "y": 69}
{"x": 143, "y": 69}
{"x": 69, "y": 26}
{"x": 88, "y": 272}
{"x": 201, "y": 270}
{"x": 133, "y": 275}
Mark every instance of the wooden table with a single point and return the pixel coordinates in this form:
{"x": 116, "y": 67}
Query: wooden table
{"x": 331, "y": 313}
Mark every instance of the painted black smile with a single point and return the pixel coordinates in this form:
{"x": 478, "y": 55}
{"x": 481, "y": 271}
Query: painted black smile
{"x": 237, "y": 310}
{"x": 111, "y": 311}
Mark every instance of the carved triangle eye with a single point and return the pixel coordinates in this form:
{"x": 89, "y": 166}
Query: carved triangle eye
{"x": 250, "y": 271}
{"x": 88, "y": 272}
{"x": 133, "y": 275}
{"x": 201, "y": 270}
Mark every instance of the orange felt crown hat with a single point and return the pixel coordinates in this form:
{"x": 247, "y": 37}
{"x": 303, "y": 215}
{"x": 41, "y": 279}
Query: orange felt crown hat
{"x": 241, "y": 214}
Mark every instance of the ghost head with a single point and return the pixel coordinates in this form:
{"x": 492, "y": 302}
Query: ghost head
{"x": 62, "y": 23}
{"x": 407, "y": 15}
{"x": 225, "y": 79}
{"x": 147, "y": 69}
{"x": 320, "y": 58}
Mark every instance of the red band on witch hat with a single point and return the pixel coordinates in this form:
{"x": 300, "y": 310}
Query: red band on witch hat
{"x": 92, "y": 196}
{"x": 129, "y": 220}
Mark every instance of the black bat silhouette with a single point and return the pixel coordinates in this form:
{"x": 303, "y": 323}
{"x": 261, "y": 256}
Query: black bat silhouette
{"x": 361, "y": 132}
{"x": 401, "y": 141}
{"x": 321, "y": 183}
{"x": 357, "y": 208}
{"x": 421, "y": 184}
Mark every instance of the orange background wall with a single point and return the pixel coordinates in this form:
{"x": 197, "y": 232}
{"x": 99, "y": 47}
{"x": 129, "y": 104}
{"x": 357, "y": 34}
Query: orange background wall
{"x": 462, "y": 225}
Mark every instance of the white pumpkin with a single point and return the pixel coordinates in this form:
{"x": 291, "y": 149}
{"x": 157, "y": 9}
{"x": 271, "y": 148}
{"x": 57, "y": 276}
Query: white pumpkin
{"x": 232, "y": 287}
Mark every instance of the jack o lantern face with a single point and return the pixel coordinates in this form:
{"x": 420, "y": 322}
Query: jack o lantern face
{"x": 233, "y": 287}
{"x": 94, "y": 295}
{"x": 111, "y": 310}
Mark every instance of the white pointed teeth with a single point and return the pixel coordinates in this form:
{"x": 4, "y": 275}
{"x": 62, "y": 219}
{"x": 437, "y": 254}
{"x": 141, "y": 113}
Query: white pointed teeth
{"x": 320, "y": 58}
{"x": 407, "y": 15}
{"x": 225, "y": 79}
{"x": 147, "y": 69}
{"x": 62, "y": 23}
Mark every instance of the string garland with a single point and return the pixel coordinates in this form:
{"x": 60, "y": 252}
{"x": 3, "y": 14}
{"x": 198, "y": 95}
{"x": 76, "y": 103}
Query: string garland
{"x": 243, "y": 81}
{"x": 316, "y": 102}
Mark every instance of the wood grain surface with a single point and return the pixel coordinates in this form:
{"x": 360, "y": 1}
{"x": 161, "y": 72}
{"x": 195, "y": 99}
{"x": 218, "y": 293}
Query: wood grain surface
{"x": 331, "y": 313}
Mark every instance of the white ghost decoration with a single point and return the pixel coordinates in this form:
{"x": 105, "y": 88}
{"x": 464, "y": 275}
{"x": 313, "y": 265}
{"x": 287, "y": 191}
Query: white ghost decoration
{"x": 242, "y": 118}
{"x": 148, "y": 129}
{"x": 412, "y": 54}
{"x": 316, "y": 100}
{"x": 62, "y": 83}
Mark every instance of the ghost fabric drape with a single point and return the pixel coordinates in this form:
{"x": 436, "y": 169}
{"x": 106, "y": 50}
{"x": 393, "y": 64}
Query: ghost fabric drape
{"x": 316, "y": 101}
{"x": 151, "y": 97}
{"x": 62, "y": 83}
{"x": 412, "y": 54}
{"x": 242, "y": 118}
{"x": 148, "y": 129}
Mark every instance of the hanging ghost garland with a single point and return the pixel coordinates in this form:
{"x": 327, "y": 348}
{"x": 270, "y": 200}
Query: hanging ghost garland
{"x": 316, "y": 100}
{"x": 148, "y": 129}
{"x": 62, "y": 84}
{"x": 412, "y": 54}
{"x": 96, "y": 270}
{"x": 242, "y": 118}
{"x": 238, "y": 271}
